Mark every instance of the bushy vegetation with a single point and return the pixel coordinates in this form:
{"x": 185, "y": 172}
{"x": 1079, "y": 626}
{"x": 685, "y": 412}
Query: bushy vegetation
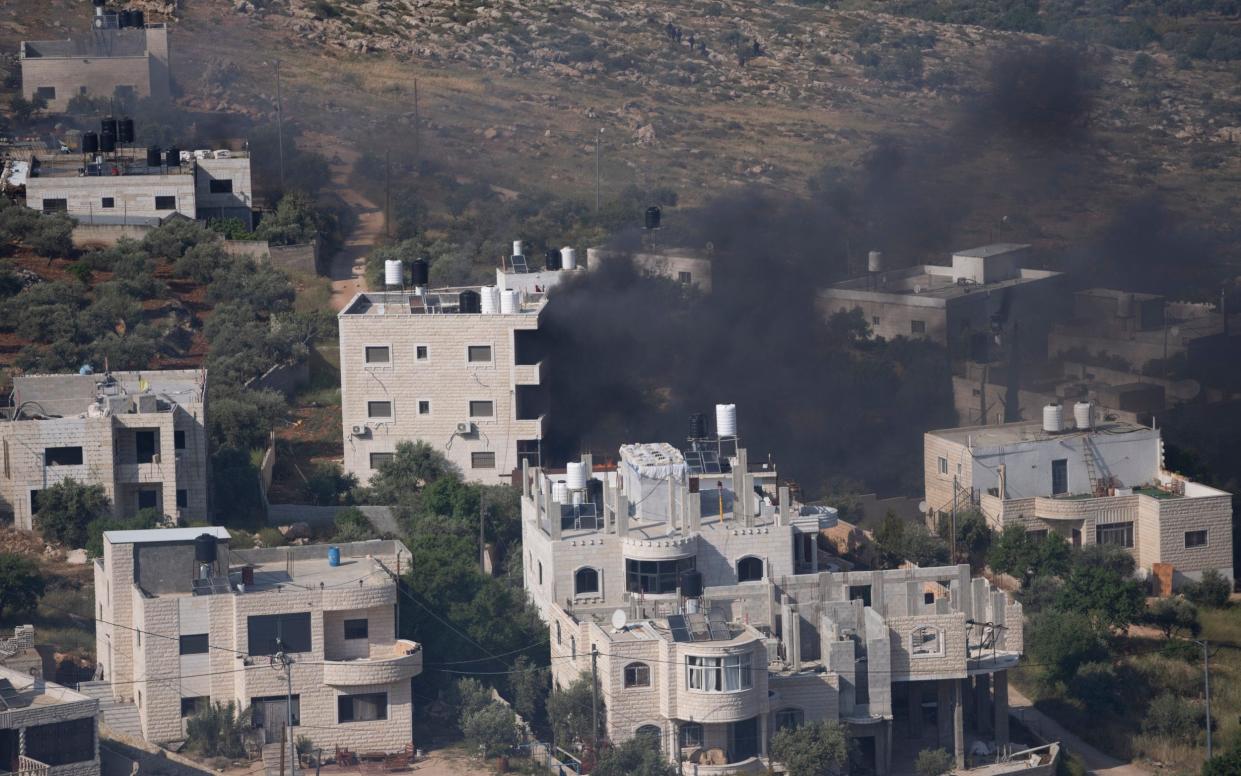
{"x": 218, "y": 731}
{"x": 21, "y": 584}
{"x": 66, "y": 509}
{"x": 812, "y": 749}
{"x": 897, "y": 541}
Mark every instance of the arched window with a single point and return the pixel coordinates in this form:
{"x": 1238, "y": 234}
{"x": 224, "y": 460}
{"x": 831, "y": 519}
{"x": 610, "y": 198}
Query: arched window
{"x": 585, "y": 581}
{"x": 637, "y": 675}
{"x": 749, "y": 569}
{"x": 691, "y": 735}
{"x": 653, "y": 735}
{"x": 926, "y": 642}
{"x": 787, "y": 719}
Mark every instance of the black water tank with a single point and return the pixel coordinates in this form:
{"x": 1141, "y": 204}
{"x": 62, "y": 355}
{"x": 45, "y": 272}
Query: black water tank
{"x": 99, "y": 3}
{"x": 125, "y": 131}
{"x": 204, "y": 548}
{"x": 107, "y": 142}
{"x": 124, "y": 19}
{"x": 154, "y": 156}
{"x": 108, "y": 126}
{"x": 138, "y": 19}
{"x": 469, "y": 302}
{"x": 652, "y": 217}
{"x": 420, "y": 271}
{"x": 697, "y": 426}
{"x": 90, "y": 142}
{"x": 594, "y": 491}
{"x": 553, "y": 259}
{"x": 691, "y": 584}
{"x": 172, "y": 157}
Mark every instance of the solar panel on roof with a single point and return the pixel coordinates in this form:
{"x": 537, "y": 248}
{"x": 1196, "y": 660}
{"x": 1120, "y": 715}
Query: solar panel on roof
{"x": 10, "y": 696}
{"x": 520, "y": 265}
{"x": 676, "y": 623}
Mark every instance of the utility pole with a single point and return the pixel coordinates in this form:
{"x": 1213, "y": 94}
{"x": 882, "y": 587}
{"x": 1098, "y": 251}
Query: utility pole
{"x": 417, "y": 132}
{"x": 598, "y": 175}
{"x": 954, "y": 520}
{"x": 482, "y": 542}
{"x": 388, "y": 193}
{"x": 280, "y": 125}
{"x": 282, "y": 660}
{"x": 594, "y": 697}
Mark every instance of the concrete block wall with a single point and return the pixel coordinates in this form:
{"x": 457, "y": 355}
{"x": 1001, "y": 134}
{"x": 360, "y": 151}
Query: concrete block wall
{"x": 1212, "y": 514}
{"x": 381, "y": 632}
{"x": 949, "y": 662}
{"x": 99, "y": 76}
{"x": 133, "y": 195}
{"x": 938, "y": 484}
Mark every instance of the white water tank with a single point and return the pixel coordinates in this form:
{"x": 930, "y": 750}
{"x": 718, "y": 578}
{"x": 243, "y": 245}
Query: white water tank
{"x": 517, "y": 249}
{"x": 874, "y": 261}
{"x": 490, "y": 300}
{"x": 1053, "y": 419}
{"x": 726, "y": 420}
{"x": 394, "y": 273}
{"x": 560, "y": 492}
{"x": 575, "y": 476}
{"x": 508, "y": 302}
{"x": 568, "y": 258}
{"x": 1083, "y": 415}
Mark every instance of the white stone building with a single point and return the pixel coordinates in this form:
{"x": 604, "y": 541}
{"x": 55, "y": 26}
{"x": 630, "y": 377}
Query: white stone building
{"x": 1091, "y": 481}
{"x": 141, "y": 435}
{"x": 103, "y": 63}
{"x": 694, "y": 583}
{"x": 186, "y": 621}
{"x": 46, "y": 729}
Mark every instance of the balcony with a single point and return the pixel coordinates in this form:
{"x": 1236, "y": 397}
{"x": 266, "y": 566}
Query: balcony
{"x": 528, "y": 374}
{"x": 397, "y": 663}
{"x": 702, "y": 766}
{"x": 28, "y": 766}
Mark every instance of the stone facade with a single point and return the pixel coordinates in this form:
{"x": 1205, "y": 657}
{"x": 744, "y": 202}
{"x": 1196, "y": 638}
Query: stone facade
{"x": 97, "y": 65}
{"x": 43, "y": 714}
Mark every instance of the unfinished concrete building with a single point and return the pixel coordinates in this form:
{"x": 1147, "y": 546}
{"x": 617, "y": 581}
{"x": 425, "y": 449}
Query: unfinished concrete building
{"x": 46, "y": 729}
{"x": 186, "y": 621}
{"x": 957, "y": 306}
{"x": 1091, "y": 481}
{"x": 141, "y": 435}
{"x": 694, "y": 580}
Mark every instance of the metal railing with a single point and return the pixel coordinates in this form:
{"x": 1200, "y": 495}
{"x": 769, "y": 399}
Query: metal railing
{"x": 28, "y": 766}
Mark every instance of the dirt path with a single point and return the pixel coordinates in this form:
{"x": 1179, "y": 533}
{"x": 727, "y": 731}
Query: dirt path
{"x": 348, "y": 266}
{"x": 1096, "y": 762}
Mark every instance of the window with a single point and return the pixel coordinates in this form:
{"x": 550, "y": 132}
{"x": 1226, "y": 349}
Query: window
{"x": 528, "y": 450}
{"x": 943, "y": 465}
{"x": 651, "y": 735}
{"x": 424, "y": 407}
{"x": 148, "y": 498}
{"x": 482, "y": 460}
{"x": 1195, "y": 539}
{"x": 291, "y": 629}
{"x": 166, "y": 203}
{"x": 356, "y": 629}
{"x": 585, "y": 581}
{"x": 655, "y": 576}
{"x": 362, "y": 708}
{"x": 1059, "y": 476}
{"x": 420, "y": 353}
{"x": 718, "y": 674}
{"x": 145, "y": 446}
{"x": 691, "y": 735}
{"x": 928, "y": 598}
{"x": 46, "y": 92}
{"x": 55, "y": 205}
{"x": 478, "y": 354}
{"x": 195, "y": 644}
{"x": 379, "y": 409}
{"x": 1118, "y": 534}
{"x": 107, "y": 203}
{"x": 637, "y": 675}
{"x": 34, "y": 501}
{"x": 684, "y": 278}
{"x": 178, "y": 440}
{"x": 378, "y": 354}
{"x": 192, "y": 706}
{"x": 224, "y": 186}
{"x": 540, "y": 572}
{"x": 787, "y": 719}
{"x": 917, "y": 327}
{"x": 61, "y": 743}
{"x": 62, "y": 456}
{"x": 482, "y": 409}
{"x": 379, "y": 459}
{"x": 557, "y": 632}
{"x": 874, "y": 320}
{"x": 749, "y": 569}
{"x": 1037, "y": 535}
{"x": 926, "y": 641}
{"x": 183, "y": 498}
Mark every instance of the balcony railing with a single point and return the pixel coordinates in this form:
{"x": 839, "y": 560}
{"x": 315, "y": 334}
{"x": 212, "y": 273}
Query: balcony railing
{"x": 28, "y": 766}
{"x": 400, "y": 662}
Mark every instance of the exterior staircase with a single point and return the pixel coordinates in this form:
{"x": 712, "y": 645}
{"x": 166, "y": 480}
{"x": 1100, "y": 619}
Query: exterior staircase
{"x": 121, "y": 717}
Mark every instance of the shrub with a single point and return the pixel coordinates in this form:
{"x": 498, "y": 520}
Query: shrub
{"x": 1178, "y": 649}
{"x": 1061, "y": 642}
{"x": 327, "y": 483}
{"x": 352, "y": 525}
{"x": 66, "y": 508}
{"x": 934, "y": 762}
{"x": 21, "y": 585}
{"x": 1212, "y": 591}
{"x": 1096, "y": 686}
{"x": 218, "y": 731}
{"x": 1173, "y": 616}
{"x": 491, "y": 729}
{"x": 270, "y": 537}
{"x": 1173, "y": 718}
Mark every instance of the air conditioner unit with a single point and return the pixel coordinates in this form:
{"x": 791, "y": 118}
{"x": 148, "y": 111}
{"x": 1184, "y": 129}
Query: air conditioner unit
{"x": 361, "y": 431}
{"x": 465, "y": 428}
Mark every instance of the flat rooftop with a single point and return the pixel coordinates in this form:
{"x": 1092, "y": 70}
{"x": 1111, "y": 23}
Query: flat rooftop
{"x": 127, "y": 162}
{"x": 272, "y": 569}
{"x": 682, "y": 628}
{"x": 998, "y": 435}
{"x": 97, "y": 44}
{"x": 152, "y": 535}
{"x": 440, "y": 301}
{"x": 21, "y": 691}
{"x": 994, "y": 249}
{"x": 73, "y": 394}
{"x": 932, "y": 281}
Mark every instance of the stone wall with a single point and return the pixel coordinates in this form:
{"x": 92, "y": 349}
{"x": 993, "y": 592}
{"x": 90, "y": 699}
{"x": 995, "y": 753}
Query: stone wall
{"x": 86, "y": 234}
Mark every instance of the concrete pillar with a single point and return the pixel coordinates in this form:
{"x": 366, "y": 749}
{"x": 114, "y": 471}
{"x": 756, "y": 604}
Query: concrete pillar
{"x": 943, "y": 712}
{"x": 967, "y": 703}
{"x": 695, "y": 512}
{"x": 958, "y": 724}
{"x": 1001, "y": 708}
{"x": 785, "y": 515}
{"x": 915, "y": 710}
{"x": 553, "y": 519}
{"x": 525, "y": 477}
{"x": 762, "y": 734}
{"x": 622, "y": 515}
{"x": 887, "y": 748}
{"x": 982, "y": 703}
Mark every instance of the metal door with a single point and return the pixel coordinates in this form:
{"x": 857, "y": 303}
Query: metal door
{"x": 274, "y": 715}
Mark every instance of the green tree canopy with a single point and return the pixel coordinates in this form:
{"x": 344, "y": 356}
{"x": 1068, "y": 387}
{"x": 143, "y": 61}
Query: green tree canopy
{"x": 1017, "y": 553}
{"x": 1060, "y": 642}
{"x": 1100, "y": 584}
{"x": 813, "y": 749}
{"x": 1226, "y": 764}
{"x": 934, "y": 762}
{"x": 570, "y": 712}
{"x": 491, "y": 729}
{"x": 414, "y": 466}
{"x": 21, "y": 584}
{"x": 67, "y": 508}
{"x": 635, "y": 757}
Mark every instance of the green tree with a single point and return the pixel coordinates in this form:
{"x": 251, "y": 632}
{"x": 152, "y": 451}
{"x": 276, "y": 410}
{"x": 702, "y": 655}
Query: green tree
{"x": 570, "y": 713}
{"x": 934, "y": 762}
{"x": 813, "y": 749}
{"x": 235, "y": 488}
{"x": 1226, "y": 764}
{"x": 218, "y": 731}
{"x": 414, "y": 466}
{"x": 1060, "y": 642}
{"x": 1101, "y": 585}
{"x": 67, "y": 508}
{"x": 491, "y": 729}
{"x": 898, "y": 541}
{"x": 21, "y": 584}
{"x": 145, "y": 518}
{"x": 635, "y": 757}
{"x": 1173, "y": 616}
{"x": 1174, "y": 718}
{"x": 328, "y": 484}
{"x": 469, "y": 696}
{"x": 973, "y": 536}
{"x": 243, "y": 419}
{"x": 1212, "y": 591}
{"x": 528, "y": 686}
{"x": 1016, "y": 553}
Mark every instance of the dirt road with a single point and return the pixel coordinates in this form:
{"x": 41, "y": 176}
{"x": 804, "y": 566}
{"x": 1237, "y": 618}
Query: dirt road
{"x": 348, "y": 266}
{"x": 1096, "y": 762}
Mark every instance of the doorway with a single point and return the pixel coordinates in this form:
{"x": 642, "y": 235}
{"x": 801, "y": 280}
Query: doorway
{"x": 272, "y": 713}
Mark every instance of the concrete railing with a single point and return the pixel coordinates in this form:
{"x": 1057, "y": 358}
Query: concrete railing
{"x": 403, "y": 662}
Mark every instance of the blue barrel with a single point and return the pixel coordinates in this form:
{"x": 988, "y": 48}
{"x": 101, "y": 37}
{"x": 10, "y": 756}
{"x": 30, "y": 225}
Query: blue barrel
{"x": 333, "y": 556}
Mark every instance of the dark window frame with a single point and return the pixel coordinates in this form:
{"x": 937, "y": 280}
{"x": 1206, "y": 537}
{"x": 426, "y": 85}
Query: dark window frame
{"x": 183, "y": 498}
{"x": 1059, "y": 476}
{"x": 194, "y": 705}
{"x": 586, "y": 574}
{"x": 367, "y": 353}
{"x": 356, "y": 629}
{"x": 107, "y": 203}
{"x": 491, "y": 408}
{"x": 637, "y": 674}
{"x": 372, "y": 406}
{"x": 1203, "y": 534}
{"x": 166, "y": 202}
{"x": 472, "y": 350}
{"x": 292, "y": 628}
{"x": 220, "y": 186}
{"x": 748, "y": 567}
{"x": 482, "y": 455}
{"x": 346, "y": 710}
{"x": 1108, "y": 534}
{"x": 379, "y": 459}
{"x": 655, "y": 577}
{"x": 69, "y": 455}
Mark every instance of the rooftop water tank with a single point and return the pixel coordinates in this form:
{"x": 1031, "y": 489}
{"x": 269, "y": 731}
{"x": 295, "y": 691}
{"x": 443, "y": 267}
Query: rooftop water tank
{"x": 1053, "y": 419}
{"x": 1083, "y": 415}
{"x": 697, "y": 426}
{"x": 508, "y": 302}
{"x": 469, "y": 302}
{"x": 154, "y": 156}
{"x": 726, "y": 420}
{"x": 333, "y": 556}
{"x": 560, "y": 492}
{"x": 107, "y": 142}
{"x": 137, "y": 18}
{"x": 204, "y": 548}
{"x": 394, "y": 273}
{"x": 568, "y": 258}
{"x": 651, "y": 221}
{"x": 553, "y": 260}
{"x": 575, "y": 476}
{"x": 90, "y": 142}
{"x": 125, "y": 130}
{"x": 172, "y": 157}
{"x": 874, "y": 261}
{"x": 517, "y": 248}
{"x": 490, "y": 300}
{"x": 420, "y": 272}
{"x": 107, "y": 126}
{"x": 691, "y": 584}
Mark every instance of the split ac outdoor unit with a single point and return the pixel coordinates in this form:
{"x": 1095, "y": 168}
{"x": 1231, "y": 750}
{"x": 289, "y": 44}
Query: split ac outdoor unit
{"x": 360, "y": 431}
{"x": 465, "y": 428}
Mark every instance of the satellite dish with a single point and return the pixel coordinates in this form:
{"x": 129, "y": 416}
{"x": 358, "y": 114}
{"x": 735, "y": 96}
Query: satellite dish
{"x": 922, "y": 507}
{"x": 917, "y": 288}
{"x": 619, "y": 619}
